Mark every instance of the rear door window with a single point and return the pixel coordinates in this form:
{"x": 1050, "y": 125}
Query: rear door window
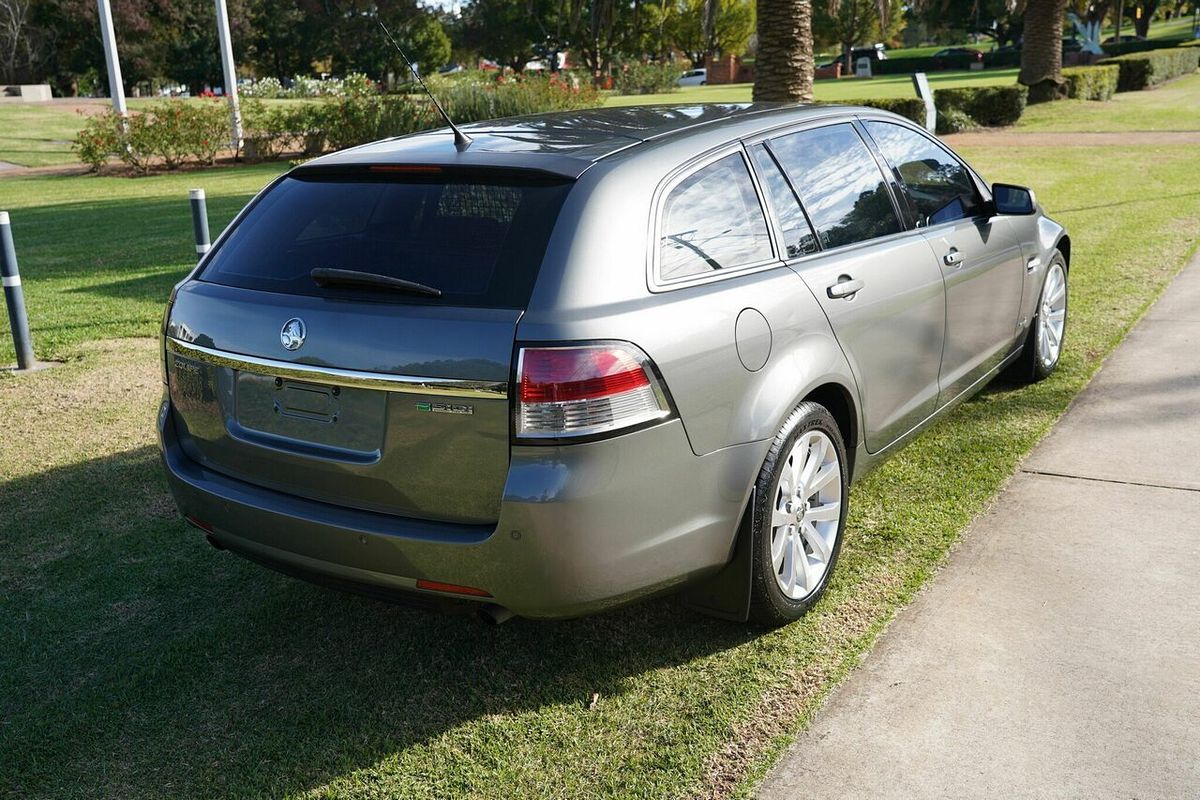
{"x": 840, "y": 184}
{"x": 798, "y": 237}
{"x": 712, "y": 220}
{"x": 937, "y": 184}
{"x": 479, "y": 239}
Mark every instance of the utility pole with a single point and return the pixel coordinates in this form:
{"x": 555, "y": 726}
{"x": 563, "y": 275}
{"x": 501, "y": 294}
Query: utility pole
{"x": 115, "y": 86}
{"x": 1120, "y": 15}
{"x": 231, "y": 92}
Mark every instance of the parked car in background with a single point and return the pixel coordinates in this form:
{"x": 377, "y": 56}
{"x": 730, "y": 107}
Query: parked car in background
{"x": 875, "y": 52}
{"x": 693, "y": 77}
{"x": 956, "y": 57}
{"x": 592, "y": 356}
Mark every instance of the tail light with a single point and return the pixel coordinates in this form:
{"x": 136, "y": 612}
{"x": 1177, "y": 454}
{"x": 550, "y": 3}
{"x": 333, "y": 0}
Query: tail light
{"x": 586, "y": 390}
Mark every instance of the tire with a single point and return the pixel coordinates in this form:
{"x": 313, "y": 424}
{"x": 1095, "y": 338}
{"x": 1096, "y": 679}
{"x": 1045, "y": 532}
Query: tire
{"x": 1040, "y": 355}
{"x": 782, "y": 587}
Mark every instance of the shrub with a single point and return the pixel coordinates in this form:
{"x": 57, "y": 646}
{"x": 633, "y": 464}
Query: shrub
{"x": 953, "y": 120}
{"x": 911, "y": 107}
{"x": 266, "y": 129}
{"x": 472, "y": 99}
{"x": 99, "y": 139}
{"x": 351, "y": 121}
{"x": 1143, "y": 70}
{"x": 264, "y": 88}
{"x": 1091, "y": 83}
{"x": 647, "y": 78}
{"x": 1119, "y": 49}
{"x": 987, "y": 105}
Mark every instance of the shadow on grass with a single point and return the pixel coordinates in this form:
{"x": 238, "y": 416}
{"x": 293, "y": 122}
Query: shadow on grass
{"x": 138, "y": 661}
{"x": 1135, "y": 201}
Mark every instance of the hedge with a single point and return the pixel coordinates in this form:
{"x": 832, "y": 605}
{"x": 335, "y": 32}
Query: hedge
{"x": 987, "y": 105}
{"x": 1091, "y": 83}
{"x": 1143, "y": 70}
{"x": 170, "y": 133}
{"x": 911, "y": 107}
{"x": 900, "y": 66}
{"x": 1145, "y": 45}
{"x": 958, "y": 109}
{"x": 648, "y": 78}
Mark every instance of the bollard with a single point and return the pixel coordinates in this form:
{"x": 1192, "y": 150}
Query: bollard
{"x": 14, "y": 296}
{"x": 199, "y": 220}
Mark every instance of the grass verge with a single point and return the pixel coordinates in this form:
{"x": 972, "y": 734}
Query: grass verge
{"x": 136, "y": 662}
{"x": 1172, "y": 107}
{"x": 826, "y": 91}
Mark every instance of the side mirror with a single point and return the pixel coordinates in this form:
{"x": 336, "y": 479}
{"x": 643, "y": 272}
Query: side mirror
{"x": 1010, "y": 199}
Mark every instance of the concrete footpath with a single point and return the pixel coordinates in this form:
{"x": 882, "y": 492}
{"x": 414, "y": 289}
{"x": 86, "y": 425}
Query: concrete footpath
{"x": 1058, "y": 652}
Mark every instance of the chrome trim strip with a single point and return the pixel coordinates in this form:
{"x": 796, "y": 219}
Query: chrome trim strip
{"x": 382, "y": 381}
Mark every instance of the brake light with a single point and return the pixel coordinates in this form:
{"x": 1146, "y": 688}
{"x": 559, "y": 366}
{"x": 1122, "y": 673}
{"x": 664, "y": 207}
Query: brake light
{"x": 585, "y": 390}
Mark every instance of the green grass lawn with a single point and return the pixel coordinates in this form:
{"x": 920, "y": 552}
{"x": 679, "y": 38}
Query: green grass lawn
{"x": 826, "y": 91}
{"x": 99, "y": 254}
{"x": 35, "y": 135}
{"x": 137, "y": 662}
{"x": 1172, "y": 107}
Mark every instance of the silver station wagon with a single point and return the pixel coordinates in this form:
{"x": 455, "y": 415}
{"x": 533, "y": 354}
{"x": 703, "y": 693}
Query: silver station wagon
{"x": 592, "y": 356}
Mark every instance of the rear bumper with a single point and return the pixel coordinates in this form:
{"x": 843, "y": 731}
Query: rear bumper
{"x": 582, "y": 527}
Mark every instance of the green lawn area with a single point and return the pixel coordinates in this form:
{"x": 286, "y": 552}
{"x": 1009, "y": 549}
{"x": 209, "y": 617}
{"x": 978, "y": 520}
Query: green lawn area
{"x": 35, "y": 135}
{"x": 1172, "y": 107}
{"x": 137, "y": 662}
{"x": 826, "y": 91}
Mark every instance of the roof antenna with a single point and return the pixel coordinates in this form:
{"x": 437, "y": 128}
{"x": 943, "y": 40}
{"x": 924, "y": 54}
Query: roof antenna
{"x": 461, "y": 140}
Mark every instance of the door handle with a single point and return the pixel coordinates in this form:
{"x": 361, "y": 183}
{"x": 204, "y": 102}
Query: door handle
{"x": 845, "y": 287}
{"x": 953, "y": 258}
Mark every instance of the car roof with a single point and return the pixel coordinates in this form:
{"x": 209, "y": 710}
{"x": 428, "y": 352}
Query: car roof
{"x": 566, "y": 143}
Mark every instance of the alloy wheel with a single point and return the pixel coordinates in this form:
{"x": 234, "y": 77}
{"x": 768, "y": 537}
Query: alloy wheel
{"x": 806, "y": 515}
{"x": 1052, "y": 315}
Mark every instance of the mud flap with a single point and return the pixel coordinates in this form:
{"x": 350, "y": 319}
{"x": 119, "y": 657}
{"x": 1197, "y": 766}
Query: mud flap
{"x": 727, "y": 594}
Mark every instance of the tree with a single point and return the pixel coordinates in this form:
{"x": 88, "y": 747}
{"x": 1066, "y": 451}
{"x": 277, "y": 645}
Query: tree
{"x": 282, "y": 42}
{"x": 1142, "y": 12}
{"x": 20, "y": 49}
{"x": 1041, "y": 52}
{"x": 784, "y": 66}
{"x": 1000, "y": 20}
{"x": 850, "y": 22}
{"x": 706, "y": 27}
{"x": 188, "y": 32}
{"x": 510, "y": 32}
{"x": 71, "y": 31}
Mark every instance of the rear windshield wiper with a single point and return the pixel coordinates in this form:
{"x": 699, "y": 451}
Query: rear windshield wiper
{"x": 327, "y": 276}
{"x": 695, "y": 248}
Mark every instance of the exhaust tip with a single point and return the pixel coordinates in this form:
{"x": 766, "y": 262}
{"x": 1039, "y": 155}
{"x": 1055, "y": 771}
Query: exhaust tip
{"x": 494, "y": 614}
{"x": 212, "y": 540}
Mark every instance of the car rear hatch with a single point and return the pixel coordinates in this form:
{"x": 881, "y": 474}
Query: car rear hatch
{"x": 358, "y": 387}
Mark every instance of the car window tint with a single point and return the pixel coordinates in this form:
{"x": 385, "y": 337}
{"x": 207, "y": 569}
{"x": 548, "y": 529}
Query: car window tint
{"x": 798, "y": 237}
{"x": 937, "y": 185}
{"x": 479, "y": 239}
{"x": 712, "y": 220}
{"x": 840, "y": 184}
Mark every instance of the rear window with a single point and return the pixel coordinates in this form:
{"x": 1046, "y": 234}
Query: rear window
{"x": 478, "y": 238}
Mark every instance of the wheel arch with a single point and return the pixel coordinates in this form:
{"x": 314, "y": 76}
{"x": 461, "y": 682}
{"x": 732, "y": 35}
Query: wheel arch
{"x": 839, "y": 402}
{"x": 1064, "y": 247}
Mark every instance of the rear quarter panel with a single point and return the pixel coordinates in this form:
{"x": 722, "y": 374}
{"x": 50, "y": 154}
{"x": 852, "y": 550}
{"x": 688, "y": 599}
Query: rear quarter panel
{"x": 595, "y": 285}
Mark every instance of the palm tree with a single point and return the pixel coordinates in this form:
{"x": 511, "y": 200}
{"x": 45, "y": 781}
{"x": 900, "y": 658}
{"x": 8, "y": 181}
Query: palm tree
{"x": 783, "y": 69}
{"x": 1041, "y": 52}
